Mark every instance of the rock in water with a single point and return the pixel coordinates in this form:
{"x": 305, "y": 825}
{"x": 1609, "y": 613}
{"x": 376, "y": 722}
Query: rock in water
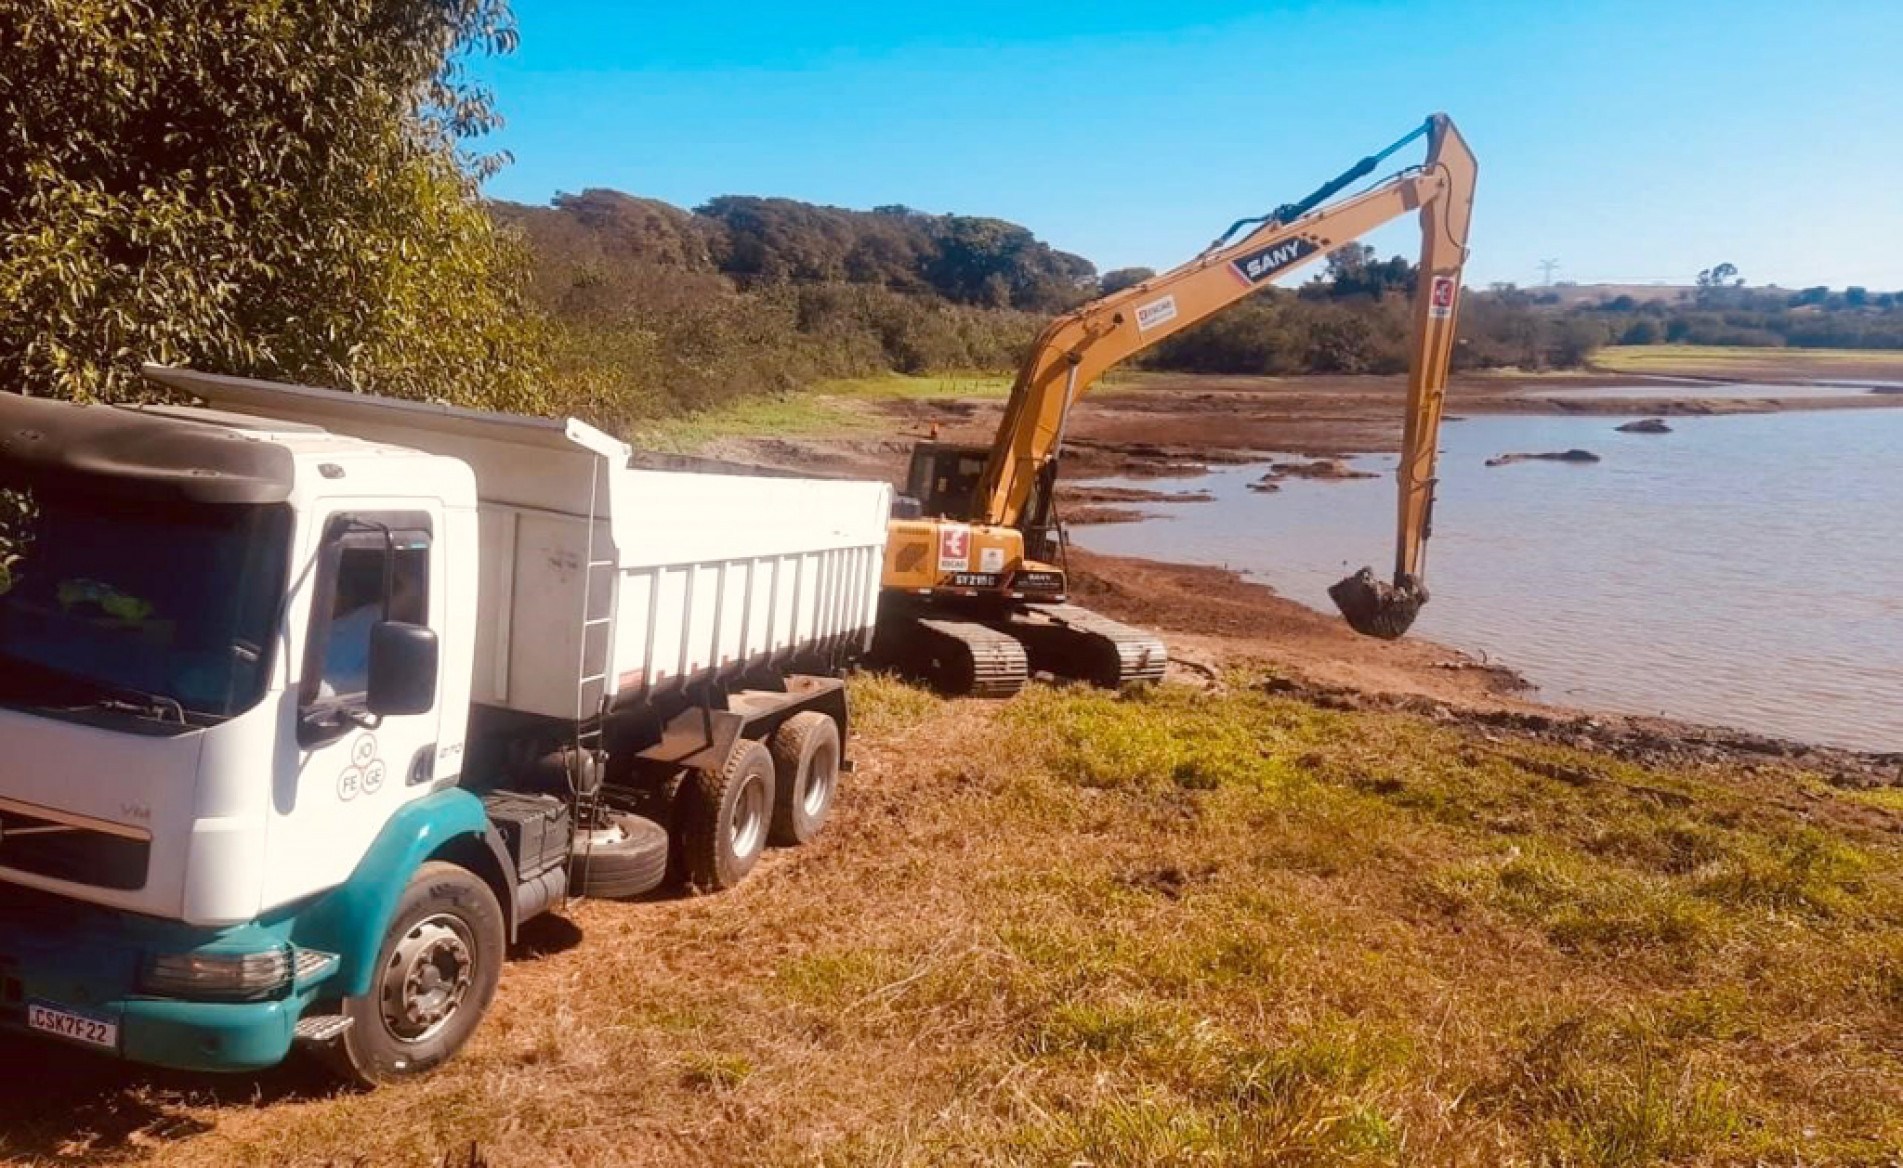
{"x": 1646, "y": 426}
{"x": 1550, "y": 456}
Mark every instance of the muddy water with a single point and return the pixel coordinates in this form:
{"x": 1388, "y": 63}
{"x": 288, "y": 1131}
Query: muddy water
{"x": 1743, "y": 570}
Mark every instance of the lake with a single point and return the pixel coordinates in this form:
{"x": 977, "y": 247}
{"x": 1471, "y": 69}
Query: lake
{"x": 1743, "y": 570}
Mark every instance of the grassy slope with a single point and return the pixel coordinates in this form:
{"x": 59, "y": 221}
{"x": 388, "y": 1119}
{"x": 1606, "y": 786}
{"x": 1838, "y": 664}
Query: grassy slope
{"x": 1175, "y": 929}
{"x": 831, "y": 407}
{"x": 1752, "y": 363}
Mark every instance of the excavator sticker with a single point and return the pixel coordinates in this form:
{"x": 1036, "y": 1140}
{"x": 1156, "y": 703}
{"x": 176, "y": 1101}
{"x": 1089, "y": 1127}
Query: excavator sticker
{"x": 954, "y": 549}
{"x": 1441, "y": 305}
{"x": 1156, "y": 312}
{"x": 1257, "y": 266}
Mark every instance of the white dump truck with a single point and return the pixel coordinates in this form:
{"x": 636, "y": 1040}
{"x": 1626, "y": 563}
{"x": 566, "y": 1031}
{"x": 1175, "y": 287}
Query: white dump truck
{"x": 308, "y": 700}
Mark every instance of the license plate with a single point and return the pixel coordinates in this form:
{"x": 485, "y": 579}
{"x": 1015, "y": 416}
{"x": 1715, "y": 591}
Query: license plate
{"x": 974, "y": 580}
{"x": 69, "y": 1024}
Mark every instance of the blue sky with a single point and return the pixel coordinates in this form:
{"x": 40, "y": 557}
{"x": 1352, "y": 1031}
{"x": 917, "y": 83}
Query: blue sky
{"x": 1631, "y": 141}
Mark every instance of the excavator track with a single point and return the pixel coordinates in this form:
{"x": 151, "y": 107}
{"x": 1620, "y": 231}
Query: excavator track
{"x": 1073, "y": 642}
{"x": 957, "y": 657}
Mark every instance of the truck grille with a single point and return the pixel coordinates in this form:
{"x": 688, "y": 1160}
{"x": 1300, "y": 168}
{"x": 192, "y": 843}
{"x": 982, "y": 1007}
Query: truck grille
{"x": 45, "y": 846}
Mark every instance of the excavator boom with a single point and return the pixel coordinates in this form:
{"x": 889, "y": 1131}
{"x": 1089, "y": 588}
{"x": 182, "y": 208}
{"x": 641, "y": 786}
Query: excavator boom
{"x": 1080, "y": 346}
{"x": 969, "y": 602}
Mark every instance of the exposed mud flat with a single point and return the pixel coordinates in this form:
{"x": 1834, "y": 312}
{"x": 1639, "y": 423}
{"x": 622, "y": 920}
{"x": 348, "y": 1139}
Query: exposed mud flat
{"x": 1099, "y": 504}
{"x": 1172, "y": 425}
{"x": 1181, "y": 427}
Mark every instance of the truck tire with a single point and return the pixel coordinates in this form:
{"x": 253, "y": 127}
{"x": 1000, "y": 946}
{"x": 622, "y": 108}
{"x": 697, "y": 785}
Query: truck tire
{"x": 626, "y": 859}
{"x": 806, "y": 771}
{"x": 435, "y": 976}
{"x": 725, "y": 817}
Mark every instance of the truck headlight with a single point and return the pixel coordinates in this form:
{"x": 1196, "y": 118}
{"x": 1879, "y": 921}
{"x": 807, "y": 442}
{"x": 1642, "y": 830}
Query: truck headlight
{"x": 212, "y": 976}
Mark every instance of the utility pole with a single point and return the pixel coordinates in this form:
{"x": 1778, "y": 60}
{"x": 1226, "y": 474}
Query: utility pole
{"x": 1547, "y": 268}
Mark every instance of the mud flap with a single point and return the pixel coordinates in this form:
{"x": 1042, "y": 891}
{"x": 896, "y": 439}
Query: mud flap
{"x": 1375, "y": 608}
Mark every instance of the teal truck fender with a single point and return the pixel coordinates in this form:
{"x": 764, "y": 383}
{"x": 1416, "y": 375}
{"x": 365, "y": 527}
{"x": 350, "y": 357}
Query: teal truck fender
{"x": 351, "y": 919}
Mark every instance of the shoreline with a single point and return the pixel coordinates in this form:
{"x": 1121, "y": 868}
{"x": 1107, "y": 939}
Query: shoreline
{"x": 1215, "y": 619}
{"x": 1149, "y": 426}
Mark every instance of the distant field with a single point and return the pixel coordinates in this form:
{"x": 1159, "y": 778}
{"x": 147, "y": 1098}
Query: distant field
{"x": 830, "y": 407}
{"x": 1752, "y": 364}
{"x": 1573, "y": 294}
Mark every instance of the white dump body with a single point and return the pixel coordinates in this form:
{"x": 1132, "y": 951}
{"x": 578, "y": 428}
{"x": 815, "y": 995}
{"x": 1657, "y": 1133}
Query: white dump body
{"x": 597, "y": 576}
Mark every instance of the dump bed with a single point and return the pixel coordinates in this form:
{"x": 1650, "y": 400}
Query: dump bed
{"x": 597, "y": 576}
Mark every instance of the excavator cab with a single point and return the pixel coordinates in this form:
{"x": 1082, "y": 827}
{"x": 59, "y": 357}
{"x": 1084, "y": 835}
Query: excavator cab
{"x": 943, "y": 478}
{"x": 943, "y": 481}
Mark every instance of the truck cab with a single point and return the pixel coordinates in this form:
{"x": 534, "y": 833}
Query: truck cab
{"x": 240, "y": 808}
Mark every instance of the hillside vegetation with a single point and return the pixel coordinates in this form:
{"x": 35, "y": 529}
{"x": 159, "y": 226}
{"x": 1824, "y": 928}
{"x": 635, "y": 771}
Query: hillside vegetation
{"x": 659, "y": 311}
{"x": 655, "y": 311}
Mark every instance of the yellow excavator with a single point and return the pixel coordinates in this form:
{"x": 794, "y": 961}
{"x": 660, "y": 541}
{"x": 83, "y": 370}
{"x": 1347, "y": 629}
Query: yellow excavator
{"x": 974, "y": 592}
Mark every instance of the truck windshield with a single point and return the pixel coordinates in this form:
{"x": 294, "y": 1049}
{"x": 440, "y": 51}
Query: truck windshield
{"x": 159, "y": 610}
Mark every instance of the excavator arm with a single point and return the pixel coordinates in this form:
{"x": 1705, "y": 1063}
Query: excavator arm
{"x": 1080, "y": 346}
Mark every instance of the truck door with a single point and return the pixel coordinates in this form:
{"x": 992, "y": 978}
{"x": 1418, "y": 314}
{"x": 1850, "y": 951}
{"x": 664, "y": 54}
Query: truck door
{"x": 356, "y": 768}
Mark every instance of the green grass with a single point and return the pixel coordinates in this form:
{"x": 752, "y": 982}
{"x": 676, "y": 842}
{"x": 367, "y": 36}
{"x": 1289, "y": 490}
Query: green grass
{"x": 1175, "y": 928}
{"x": 1720, "y": 360}
{"x": 829, "y": 408}
{"x": 900, "y": 387}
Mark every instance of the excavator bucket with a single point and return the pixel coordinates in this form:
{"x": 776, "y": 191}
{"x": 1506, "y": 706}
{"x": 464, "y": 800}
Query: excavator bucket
{"x": 1375, "y": 608}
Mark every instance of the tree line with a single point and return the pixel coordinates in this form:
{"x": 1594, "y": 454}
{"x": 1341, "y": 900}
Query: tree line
{"x": 294, "y": 192}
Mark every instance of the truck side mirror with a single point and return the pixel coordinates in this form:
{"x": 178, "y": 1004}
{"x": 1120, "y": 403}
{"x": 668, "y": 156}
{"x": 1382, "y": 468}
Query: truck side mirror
{"x": 402, "y": 669}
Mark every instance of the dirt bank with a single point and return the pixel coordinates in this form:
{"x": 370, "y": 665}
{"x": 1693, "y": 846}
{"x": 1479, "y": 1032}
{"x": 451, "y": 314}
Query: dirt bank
{"x": 1214, "y": 621}
{"x": 1093, "y": 504}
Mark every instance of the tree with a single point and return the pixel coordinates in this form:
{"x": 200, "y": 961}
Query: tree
{"x": 1118, "y": 279}
{"x": 1640, "y": 332}
{"x": 1346, "y": 263}
{"x": 1719, "y": 276}
{"x": 254, "y": 187}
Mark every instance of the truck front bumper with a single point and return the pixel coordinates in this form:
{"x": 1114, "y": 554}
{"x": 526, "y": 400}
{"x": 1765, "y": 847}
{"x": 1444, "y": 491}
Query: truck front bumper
{"x": 86, "y": 964}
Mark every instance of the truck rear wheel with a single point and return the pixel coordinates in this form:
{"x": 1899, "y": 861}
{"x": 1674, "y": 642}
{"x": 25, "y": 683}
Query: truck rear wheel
{"x": 435, "y": 976}
{"x": 725, "y": 817}
{"x": 806, "y": 771}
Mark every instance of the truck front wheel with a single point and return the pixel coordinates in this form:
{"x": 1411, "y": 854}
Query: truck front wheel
{"x": 435, "y": 976}
{"x": 725, "y": 817}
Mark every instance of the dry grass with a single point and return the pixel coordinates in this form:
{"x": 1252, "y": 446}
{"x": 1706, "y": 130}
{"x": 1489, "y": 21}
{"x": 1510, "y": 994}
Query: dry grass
{"x": 831, "y": 407}
{"x": 1166, "y": 930}
{"x": 1751, "y": 364}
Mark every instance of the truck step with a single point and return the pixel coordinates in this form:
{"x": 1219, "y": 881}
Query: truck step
{"x": 321, "y": 1029}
